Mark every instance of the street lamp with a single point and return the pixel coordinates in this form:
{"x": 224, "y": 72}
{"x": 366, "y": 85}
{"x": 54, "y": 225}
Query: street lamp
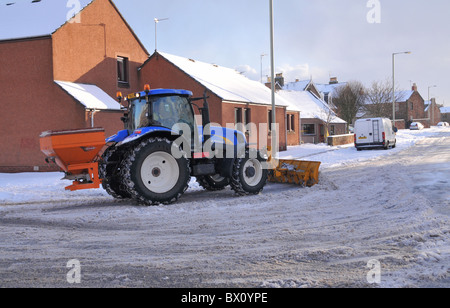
{"x": 157, "y": 20}
{"x": 393, "y": 80}
{"x": 272, "y": 72}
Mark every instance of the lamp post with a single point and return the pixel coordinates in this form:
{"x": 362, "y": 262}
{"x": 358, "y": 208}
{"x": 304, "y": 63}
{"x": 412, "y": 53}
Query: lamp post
{"x": 431, "y": 106}
{"x": 272, "y": 71}
{"x": 157, "y": 20}
{"x": 393, "y": 81}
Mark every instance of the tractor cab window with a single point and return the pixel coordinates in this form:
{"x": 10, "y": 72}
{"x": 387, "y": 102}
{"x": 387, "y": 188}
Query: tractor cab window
{"x": 138, "y": 115}
{"x": 169, "y": 111}
{"x": 166, "y": 111}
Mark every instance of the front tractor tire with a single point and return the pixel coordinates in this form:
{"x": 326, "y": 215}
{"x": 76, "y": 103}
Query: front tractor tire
{"x": 152, "y": 175}
{"x": 213, "y": 182}
{"x": 249, "y": 176}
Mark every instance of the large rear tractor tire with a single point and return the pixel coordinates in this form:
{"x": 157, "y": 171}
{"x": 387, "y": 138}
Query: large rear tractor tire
{"x": 249, "y": 177}
{"x": 152, "y": 175}
{"x": 110, "y": 173}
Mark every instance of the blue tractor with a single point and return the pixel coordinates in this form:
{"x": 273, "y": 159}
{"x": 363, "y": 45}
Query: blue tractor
{"x": 153, "y": 159}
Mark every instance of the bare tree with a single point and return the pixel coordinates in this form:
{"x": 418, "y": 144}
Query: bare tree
{"x": 328, "y": 116}
{"x": 349, "y": 99}
{"x": 379, "y": 99}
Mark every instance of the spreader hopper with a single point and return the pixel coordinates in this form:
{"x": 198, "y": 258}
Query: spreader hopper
{"x": 76, "y": 152}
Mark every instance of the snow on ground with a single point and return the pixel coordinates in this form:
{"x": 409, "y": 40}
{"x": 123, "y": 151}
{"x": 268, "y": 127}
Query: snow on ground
{"x": 342, "y": 155}
{"x": 365, "y": 208}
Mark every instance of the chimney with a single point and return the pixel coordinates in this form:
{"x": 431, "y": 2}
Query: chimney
{"x": 280, "y": 79}
{"x": 414, "y": 87}
{"x": 334, "y": 80}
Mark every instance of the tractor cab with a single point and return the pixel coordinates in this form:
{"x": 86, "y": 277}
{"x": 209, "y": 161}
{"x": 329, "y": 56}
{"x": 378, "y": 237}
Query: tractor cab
{"x": 159, "y": 108}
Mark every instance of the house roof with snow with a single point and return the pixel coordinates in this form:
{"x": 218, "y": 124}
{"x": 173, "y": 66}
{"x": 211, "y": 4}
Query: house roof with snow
{"x": 311, "y": 106}
{"x": 329, "y": 88}
{"x": 91, "y": 96}
{"x": 445, "y": 109}
{"x": 227, "y": 83}
{"x": 35, "y": 18}
{"x": 301, "y": 85}
{"x": 403, "y": 96}
{"x": 320, "y": 89}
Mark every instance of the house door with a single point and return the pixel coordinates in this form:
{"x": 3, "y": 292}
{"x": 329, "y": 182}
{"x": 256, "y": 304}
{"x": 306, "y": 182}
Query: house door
{"x": 322, "y": 133}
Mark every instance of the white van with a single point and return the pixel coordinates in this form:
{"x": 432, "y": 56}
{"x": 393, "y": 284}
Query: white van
{"x": 375, "y": 133}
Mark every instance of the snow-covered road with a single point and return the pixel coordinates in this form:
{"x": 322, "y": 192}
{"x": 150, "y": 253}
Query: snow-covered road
{"x": 391, "y": 207}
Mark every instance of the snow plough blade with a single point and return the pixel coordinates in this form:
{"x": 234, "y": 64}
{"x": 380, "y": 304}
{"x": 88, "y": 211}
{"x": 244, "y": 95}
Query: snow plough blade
{"x": 303, "y": 173}
{"x": 76, "y": 152}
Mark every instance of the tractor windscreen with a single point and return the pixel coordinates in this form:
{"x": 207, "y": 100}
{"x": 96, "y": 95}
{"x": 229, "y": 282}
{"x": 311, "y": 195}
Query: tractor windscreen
{"x": 165, "y": 111}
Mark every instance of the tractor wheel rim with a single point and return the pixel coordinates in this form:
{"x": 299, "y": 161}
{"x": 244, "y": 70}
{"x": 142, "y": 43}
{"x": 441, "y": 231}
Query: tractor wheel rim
{"x": 253, "y": 178}
{"x": 160, "y": 172}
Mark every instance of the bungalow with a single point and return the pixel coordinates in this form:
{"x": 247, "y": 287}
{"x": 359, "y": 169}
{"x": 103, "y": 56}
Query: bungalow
{"x": 233, "y": 98}
{"x": 318, "y": 120}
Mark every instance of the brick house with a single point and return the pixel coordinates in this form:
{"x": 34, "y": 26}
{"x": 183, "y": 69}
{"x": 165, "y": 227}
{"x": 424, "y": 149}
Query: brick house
{"x": 63, "y": 67}
{"x": 58, "y": 74}
{"x": 317, "y": 119}
{"x": 445, "y": 114}
{"x": 233, "y": 98}
{"x": 410, "y": 107}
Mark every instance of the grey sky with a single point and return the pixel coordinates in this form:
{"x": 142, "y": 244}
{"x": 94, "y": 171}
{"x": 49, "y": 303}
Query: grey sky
{"x": 313, "y": 38}
{"x": 317, "y": 39}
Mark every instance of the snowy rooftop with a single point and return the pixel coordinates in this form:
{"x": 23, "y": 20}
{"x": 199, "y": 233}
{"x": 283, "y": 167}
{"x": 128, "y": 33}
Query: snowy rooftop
{"x": 297, "y": 86}
{"x": 33, "y": 18}
{"x": 403, "y": 96}
{"x": 303, "y": 84}
{"x": 445, "y": 109}
{"x": 92, "y": 97}
{"x": 227, "y": 83}
{"x": 329, "y": 88}
{"x": 311, "y": 106}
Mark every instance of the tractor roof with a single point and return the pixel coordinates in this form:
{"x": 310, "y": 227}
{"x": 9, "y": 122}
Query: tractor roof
{"x": 156, "y": 92}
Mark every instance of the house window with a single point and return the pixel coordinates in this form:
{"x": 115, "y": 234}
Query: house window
{"x": 238, "y": 119}
{"x": 291, "y": 120}
{"x": 412, "y": 106}
{"x": 269, "y": 120}
{"x": 237, "y": 115}
{"x": 122, "y": 71}
{"x": 247, "y": 119}
{"x": 309, "y": 129}
{"x": 248, "y": 116}
{"x": 290, "y": 123}
{"x": 332, "y": 130}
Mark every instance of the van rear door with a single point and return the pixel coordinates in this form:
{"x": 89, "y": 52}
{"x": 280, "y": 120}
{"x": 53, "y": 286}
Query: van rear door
{"x": 377, "y": 129}
{"x": 364, "y": 131}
